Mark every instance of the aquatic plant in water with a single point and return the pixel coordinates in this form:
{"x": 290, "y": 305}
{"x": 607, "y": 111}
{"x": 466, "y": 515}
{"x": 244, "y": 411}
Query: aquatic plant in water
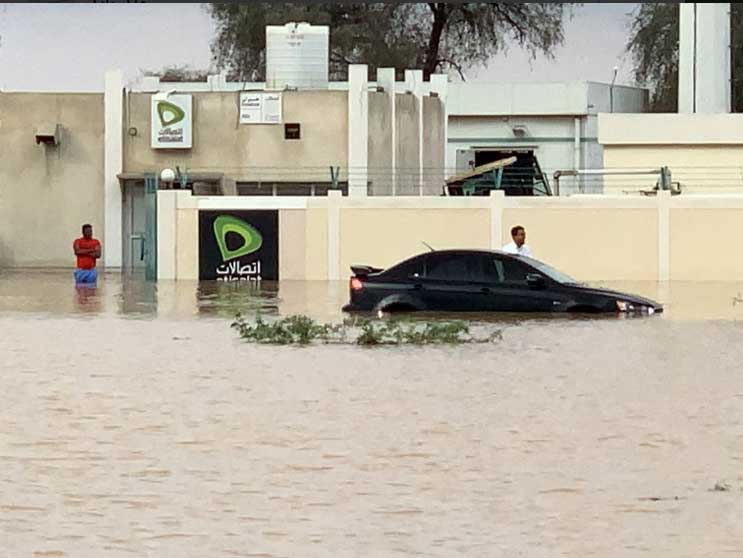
{"x": 302, "y": 330}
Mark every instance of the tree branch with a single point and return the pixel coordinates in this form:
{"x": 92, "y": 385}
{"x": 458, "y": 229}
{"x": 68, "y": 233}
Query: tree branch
{"x": 454, "y": 65}
{"x": 513, "y": 23}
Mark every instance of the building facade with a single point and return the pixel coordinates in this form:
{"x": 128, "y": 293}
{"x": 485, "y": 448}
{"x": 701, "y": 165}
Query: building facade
{"x": 555, "y": 125}
{"x": 70, "y": 159}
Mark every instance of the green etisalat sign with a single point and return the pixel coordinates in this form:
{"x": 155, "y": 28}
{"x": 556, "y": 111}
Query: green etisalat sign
{"x": 252, "y": 239}
{"x": 239, "y": 245}
{"x": 171, "y": 121}
{"x": 169, "y": 113}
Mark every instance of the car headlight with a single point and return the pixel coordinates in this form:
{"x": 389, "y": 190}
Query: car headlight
{"x": 624, "y": 306}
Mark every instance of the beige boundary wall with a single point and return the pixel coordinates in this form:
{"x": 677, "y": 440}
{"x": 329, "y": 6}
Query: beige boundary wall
{"x": 589, "y": 237}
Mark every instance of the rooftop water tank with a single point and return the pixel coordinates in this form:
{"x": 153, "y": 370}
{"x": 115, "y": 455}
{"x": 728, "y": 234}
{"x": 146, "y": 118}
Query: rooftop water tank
{"x": 297, "y": 56}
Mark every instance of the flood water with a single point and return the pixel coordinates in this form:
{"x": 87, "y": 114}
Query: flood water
{"x": 135, "y": 424}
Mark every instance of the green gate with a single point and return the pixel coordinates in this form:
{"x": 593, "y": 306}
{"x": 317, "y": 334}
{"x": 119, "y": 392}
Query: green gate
{"x": 150, "y": 235}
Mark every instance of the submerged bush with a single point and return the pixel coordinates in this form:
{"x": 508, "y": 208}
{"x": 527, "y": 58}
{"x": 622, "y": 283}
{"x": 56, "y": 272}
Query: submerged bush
{"x": 302, "y": 330}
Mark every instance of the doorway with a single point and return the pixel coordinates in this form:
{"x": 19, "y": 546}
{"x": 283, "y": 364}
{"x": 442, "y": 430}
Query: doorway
{"x": 134, "y": 226}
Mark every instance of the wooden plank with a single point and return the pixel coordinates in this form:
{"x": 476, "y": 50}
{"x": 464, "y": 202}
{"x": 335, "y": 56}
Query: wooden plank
{"x": 482, "y": 169}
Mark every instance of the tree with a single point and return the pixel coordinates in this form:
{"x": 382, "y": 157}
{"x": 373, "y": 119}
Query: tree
{"x": 654, "y": 46}
{"x": 434, "y": 36}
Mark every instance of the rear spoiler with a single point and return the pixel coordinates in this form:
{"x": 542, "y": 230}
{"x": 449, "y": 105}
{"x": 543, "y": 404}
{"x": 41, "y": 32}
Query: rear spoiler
{"x": 364, "y": 270}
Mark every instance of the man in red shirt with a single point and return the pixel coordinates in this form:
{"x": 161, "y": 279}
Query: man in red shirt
{"x": 88, "y": 250}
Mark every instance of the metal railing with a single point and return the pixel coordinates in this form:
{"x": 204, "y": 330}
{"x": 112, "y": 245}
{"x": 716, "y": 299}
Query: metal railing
{"x": 431, "y": 181}
{"x": 663, "y": 173}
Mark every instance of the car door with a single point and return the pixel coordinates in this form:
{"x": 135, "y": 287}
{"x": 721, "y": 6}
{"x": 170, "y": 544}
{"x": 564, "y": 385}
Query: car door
{"x": 509, "y": 290}
{"x": 447, "y": 285}
{"x": 402, "y": 281}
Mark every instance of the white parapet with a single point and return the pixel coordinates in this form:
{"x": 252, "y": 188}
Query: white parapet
{"x": 358, "y": 129}
{"x": 414, "y": 83}
{"x": 386, "y": 79}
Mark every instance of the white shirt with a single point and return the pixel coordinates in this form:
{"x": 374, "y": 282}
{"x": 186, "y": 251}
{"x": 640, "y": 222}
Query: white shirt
{"x": 511, "y": 248}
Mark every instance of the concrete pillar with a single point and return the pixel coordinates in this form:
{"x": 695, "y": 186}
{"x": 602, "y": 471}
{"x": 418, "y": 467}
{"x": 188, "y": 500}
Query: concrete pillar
{"x": 414, "y": 83}
{"x": 386, "y": 79}
{"x": 166, "y": 234}
{"x": 686, "y": 58}
{"x": 334, "y": 234}
{"x": 113, "y": 102}
{"x": 358, "y": 130}
{"x": 704, "y": 58}
{"x": 497, "y": 199}
{"x": 440, "y": 86}
{"x": 576, "y": 153}
{"x": 664, "y": 235}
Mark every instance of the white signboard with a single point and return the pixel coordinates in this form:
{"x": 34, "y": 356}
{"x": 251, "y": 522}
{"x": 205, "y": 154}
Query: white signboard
{"x": 171, "y": 122}
{"x": 258, "y": 107}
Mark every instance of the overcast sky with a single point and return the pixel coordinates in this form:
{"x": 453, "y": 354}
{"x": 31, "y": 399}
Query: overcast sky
{"x": 68, "y": 47}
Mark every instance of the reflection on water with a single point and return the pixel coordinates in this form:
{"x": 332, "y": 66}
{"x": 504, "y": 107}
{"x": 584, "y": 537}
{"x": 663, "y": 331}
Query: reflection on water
{"x": 54, "y": 293}
{"x": 165, "y": 436}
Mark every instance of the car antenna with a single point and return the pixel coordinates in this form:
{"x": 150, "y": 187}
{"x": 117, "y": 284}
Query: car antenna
{"x": 427, "y": 245}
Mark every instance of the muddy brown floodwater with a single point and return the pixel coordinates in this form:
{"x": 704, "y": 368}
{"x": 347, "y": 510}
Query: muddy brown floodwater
{"x": 135, "y": 424}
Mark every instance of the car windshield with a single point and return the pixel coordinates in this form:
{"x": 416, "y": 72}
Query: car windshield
{"x": 549, "y": 271}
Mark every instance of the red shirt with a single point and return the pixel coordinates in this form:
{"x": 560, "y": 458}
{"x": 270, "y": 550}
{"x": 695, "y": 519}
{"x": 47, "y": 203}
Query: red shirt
{"x": 86, "y": 262}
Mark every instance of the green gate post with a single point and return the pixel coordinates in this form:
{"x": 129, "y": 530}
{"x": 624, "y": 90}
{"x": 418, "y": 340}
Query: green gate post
{"x": 150, "y": 205}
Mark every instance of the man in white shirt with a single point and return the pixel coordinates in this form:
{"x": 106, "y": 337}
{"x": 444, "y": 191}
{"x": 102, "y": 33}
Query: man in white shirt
{"x": 518, "y": 246}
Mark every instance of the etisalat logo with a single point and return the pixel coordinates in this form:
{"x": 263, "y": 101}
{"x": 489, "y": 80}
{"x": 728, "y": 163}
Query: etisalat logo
{"x": 169, "y": 113}
{"x": 252, "y": 242}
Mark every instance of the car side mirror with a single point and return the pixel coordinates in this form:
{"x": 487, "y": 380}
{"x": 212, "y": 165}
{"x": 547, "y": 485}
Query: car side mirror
{"x": 535, "y": 281}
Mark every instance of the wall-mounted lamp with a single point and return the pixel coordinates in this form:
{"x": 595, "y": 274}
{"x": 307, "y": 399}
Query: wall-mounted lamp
{"x": 520, "y": 131}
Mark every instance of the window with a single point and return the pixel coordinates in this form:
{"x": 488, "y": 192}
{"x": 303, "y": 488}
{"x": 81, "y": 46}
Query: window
{"x": 496, "y": 270}
{"x": 292, "y": 131}
{"x": 551, "y": 272}
{"x": 407, "y": 269}
{"x": 513, "y": 271}
{"x": 449, "y": 267}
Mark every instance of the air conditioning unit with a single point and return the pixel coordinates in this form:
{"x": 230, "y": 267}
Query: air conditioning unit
{"x": 49, "y": 135}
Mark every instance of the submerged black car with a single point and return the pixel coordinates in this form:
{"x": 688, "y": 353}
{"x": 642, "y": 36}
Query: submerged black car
{"x": 481, "y": 281}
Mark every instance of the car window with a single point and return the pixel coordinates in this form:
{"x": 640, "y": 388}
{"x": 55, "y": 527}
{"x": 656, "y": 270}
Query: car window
{"x": 514, "y": 271}
{"x": 497, "y": 270}
{"x": 406, "y": 269}
{"x": 550, "y": 272}
{"x": 450, "y": 267}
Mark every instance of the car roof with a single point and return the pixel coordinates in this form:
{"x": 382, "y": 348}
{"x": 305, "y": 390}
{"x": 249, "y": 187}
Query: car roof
{"x": 465, "y": 252}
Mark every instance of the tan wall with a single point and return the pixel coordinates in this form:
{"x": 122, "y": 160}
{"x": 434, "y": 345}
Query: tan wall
{"x": 384, "y": 237}
{"x": 706, "y": 244}
{"x": 316, "y": 249}
{"x": 47, "y": 193}
{"x": 247, "y": 152}
{"x": 292, "y": 243}
{"x": 591, "y": 238}
{"x": 587, "y": 243}
{"x": 187, "y": 258}
{"x": 699, "y": 168}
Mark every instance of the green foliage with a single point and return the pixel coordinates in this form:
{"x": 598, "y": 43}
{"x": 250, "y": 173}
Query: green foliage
{"x": 654, "y": 46}
{"x": 301, "y": 330}
{"x": 434, "y": 36}
{"x": 178, "y": 73}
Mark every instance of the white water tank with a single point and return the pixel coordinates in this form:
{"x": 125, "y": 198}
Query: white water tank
{"x": 297, "y": 56}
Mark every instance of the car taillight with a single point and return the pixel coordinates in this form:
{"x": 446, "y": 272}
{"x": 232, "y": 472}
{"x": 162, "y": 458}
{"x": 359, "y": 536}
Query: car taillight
{"x": 356, "y": 284}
